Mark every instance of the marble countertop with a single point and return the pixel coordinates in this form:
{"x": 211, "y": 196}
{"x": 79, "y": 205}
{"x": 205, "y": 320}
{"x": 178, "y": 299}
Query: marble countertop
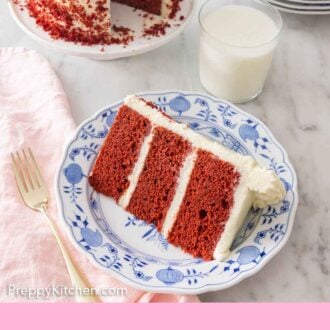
{"x": 295, "y": 105}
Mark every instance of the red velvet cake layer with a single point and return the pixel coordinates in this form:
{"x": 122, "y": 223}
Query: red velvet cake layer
{"x": 150, "y": 6}
{"x": 206, "y": 206}
{"x": 119, "y": 153}
{"x": 158, "y": 180}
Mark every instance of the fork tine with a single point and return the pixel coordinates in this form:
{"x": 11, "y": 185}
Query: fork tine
{"x": 37, "y": 170}
{"x": 31, "y": 170}
{"x": 19, "y": 178}
{"x": 24, "y": 172}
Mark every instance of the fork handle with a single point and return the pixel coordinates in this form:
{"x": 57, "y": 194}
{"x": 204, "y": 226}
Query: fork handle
{"x": 77, "y": 278}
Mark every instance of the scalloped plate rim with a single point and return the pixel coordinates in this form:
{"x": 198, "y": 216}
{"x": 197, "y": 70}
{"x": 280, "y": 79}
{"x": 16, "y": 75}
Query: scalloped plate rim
{"x": 166, "y": 289}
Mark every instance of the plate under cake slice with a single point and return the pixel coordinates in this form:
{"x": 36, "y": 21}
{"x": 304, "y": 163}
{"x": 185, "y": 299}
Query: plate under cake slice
{"x": 194, "y": 190}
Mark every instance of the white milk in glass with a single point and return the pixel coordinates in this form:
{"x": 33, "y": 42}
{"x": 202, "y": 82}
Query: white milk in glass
{"x": 236, "y": 50}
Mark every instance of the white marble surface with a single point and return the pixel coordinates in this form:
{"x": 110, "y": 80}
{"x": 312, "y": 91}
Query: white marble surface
{"x": 295, "y": 105}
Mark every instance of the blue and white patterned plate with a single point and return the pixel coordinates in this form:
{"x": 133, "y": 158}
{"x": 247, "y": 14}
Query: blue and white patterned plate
{"x": 135, "y": 252}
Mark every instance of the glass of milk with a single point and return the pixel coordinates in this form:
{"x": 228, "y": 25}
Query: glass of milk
{"x": 237, "y": 42}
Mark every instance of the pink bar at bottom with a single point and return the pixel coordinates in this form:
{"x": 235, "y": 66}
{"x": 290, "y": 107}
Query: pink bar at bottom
{"x": 166, "y": 316}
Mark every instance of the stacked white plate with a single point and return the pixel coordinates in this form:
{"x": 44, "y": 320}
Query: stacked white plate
{"x": 306, "y": 7}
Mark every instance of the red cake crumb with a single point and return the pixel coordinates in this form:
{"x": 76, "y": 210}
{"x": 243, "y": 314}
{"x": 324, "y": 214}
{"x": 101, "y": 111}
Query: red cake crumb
{"x": 154, "y": 106}
{"x": 19, "y": 3}
{"x": 175, "y": 7}
{"x": 123, "y": 35}
{"x": 156, "y": 30}
{"x": 121, "y": 29}
{"x": 206, "y": 206}
{"x": 151, "y": 104}
{"x": 119, "y": 153}
{"x": 157, "y": 183}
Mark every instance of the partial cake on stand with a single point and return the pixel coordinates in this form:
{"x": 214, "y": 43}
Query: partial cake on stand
{"x": 89, "y": 22}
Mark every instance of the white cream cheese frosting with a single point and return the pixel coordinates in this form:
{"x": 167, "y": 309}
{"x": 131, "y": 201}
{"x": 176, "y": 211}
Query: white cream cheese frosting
{"x": 184, "y": 177}
{"x": 257, "y": 186}
{"x": 267, "y": 187}
{"x": 133, "y": 178}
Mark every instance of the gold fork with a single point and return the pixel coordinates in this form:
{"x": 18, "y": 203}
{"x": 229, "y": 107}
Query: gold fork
{"x": 34, "y": 192}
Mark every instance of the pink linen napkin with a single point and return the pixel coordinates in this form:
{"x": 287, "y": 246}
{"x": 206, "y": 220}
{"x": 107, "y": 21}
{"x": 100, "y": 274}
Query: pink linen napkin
{"x": 34, "y": 111}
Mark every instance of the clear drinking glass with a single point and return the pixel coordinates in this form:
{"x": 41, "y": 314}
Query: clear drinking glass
{"x": 233, "y": 64}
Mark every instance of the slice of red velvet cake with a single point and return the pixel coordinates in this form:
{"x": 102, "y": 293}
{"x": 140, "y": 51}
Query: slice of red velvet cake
{"x": 194, "y": 190}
